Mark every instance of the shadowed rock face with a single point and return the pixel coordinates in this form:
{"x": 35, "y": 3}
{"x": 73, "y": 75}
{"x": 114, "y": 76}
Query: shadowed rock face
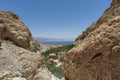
{"x": 1, "y": 33}
{"x": 115, "y": 2}
{"x": 96, "y": 55}
{"x": 11, "y": 28}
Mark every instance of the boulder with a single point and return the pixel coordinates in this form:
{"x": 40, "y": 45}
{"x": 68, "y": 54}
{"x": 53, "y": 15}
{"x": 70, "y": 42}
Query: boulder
{"x": 18, "y": 57}
{"x": 96, "y": 55}
{"x": 61, "y": 56}
{"x": 58, "y": 63}
{"x": 11, "y": 28}
{"x": 44, "y": 74}
{"x": 52, "y": 55}
{"x": 63, "y": 78}
{"x": 16, "y": 63}
{"x": 51, "y": 61}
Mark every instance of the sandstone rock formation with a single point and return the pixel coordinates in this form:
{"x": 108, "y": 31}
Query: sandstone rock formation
{"x": 13, "y": 29}
{"x": 52, "y": 55}
{"x": 40, "y": 47}
{"x": 19, "y": 64}
{"x": 96, "y": 55}
{"x": 18, "y": 60}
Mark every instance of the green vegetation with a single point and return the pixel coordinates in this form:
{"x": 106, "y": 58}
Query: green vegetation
{"x": 57, "y": 71}
{"x": 59, "y": 49}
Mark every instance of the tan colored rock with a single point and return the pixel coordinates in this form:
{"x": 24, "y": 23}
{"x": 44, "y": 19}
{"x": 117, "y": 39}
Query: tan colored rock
{"x": 63, "y": 78}
{"x": 61, "y": 56}
{"x": 57, "y": 63}
{"x": 96, "y": 55}
{"x": 16, "y": 63}
{"x": 44, "y": 74}
{"x": 36, "y": 46}
{"x": 18, "y": 60}
{"x": 115, "y": 2}
{"x": 18, "y": 78}
{"x": 52, "y": 55}
{"x": 51, "y": 61}
{"x": 1, "y": 33}
{"x": 40, "y": 47}
{"x": 13, "y": 29}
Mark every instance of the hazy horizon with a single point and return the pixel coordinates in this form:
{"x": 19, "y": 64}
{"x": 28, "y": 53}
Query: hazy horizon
{"x": 54, "y": 37}
{"x": 55, "y": 41}
{"x": 57, "y": 18}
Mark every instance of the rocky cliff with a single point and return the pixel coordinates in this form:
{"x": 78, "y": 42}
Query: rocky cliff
{"x": 17, "y": 63}
{"x": 18, "y": 57}
{"x": 96, "y": 55}
{"x": 11, "y": 28}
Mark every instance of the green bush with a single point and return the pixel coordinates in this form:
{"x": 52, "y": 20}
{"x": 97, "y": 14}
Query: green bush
{"x": 59, "y": 49}
{"x": 57, "y": 71}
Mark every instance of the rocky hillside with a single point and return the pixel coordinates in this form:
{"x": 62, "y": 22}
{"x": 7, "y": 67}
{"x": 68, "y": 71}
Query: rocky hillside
{"x": 96, "y": 55}
{"x": 18, "y": 60}
{"x": 17, "y": 63}
{"x": 11, "y": 28}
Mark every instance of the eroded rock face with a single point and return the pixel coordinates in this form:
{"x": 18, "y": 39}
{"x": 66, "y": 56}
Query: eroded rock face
{"x": 13, "y": 29}
{"x": 20, "y": 57}
{"x": 115, "y": 2}
{"x": 96, "y": 55}
{"x": 16, "y": 63}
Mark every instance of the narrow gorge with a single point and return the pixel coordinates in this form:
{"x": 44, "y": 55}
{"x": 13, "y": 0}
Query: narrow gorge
{"x": 95, "y": 54}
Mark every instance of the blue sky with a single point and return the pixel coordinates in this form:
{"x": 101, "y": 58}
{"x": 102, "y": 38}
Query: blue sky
{"x": 56, "y": 18}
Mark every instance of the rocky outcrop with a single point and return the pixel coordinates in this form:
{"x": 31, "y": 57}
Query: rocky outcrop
{"x": 20, "y": 57}
{"x": 40, "y": 47}
{"x": 13, "y": 29}
{"x": 96, "y": 55}
{"x": 19, "y": 64}
{"x": 115, "y": 2}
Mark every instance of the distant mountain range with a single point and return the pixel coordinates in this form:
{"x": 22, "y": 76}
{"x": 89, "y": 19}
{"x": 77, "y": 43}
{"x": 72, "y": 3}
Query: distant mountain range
{"x": 55, "y": 41}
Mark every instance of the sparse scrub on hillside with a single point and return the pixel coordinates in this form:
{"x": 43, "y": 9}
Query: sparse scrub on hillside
{"x": 59, "y": 49}
{"x": 56, "y": 70}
